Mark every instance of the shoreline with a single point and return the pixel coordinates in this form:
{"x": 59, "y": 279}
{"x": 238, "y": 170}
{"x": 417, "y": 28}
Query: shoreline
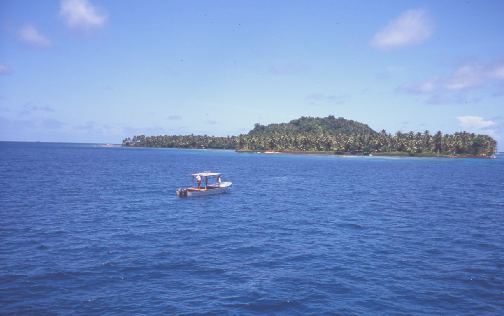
{"x": 374, "y": 154}
{"x": 326, "y": 153}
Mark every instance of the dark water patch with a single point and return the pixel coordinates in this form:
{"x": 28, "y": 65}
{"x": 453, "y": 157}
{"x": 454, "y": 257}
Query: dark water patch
{"x": 351, "y": 226}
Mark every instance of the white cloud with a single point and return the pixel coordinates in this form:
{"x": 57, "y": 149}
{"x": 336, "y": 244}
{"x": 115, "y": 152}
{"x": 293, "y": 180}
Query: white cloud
{"x": 475, "y": 122}
{"x": 4, "y": 70}
{"x": 80, "y": 14}
{"x": 30, "y": 35}
{"x": 411, "y": 27}
{"x": 467, "y": 77}
{"x": 497, "y": 72}
{"x": 425, "y": 87}
{"x": 30, "y": 109}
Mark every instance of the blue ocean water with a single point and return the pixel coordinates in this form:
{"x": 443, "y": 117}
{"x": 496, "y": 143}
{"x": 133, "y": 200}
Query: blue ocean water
{"x": 93, "y": 230}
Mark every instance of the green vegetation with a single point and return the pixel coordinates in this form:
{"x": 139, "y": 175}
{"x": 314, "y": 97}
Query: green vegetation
{"x": 331, "y": 135}
{"x": 181, "y": 141}
{"x": 314, "y": 125}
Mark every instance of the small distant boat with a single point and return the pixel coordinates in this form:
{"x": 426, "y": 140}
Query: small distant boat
{"x": 205, "y": 183}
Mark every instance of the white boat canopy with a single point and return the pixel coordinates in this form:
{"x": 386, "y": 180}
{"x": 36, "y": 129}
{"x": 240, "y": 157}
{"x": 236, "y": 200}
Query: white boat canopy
{"x": 206, "y": 174}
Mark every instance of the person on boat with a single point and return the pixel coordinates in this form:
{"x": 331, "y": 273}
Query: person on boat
{"x": 219, "y": 180}
{"x": 198, "y": 180}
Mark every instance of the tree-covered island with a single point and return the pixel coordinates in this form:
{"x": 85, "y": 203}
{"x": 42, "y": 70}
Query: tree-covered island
{"x": 333, "y": 136}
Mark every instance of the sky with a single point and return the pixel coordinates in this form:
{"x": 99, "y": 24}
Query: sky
{"x": 99, "y": 71}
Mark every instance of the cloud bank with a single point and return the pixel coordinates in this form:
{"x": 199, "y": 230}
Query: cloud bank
{"x": 411, "y": 27}
{"x": 81, "y": 14}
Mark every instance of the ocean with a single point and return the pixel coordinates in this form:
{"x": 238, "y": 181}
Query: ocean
{"x": 92, "y": 230}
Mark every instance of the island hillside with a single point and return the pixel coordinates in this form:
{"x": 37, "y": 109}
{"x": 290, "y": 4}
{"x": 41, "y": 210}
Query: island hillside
{"x": 331, "y": 135}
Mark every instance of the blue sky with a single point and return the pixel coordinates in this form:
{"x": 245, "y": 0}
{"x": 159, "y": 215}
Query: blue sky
{"x": 99, "y": 71}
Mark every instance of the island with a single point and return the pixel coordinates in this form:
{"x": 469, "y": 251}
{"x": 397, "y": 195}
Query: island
{"x": 331, "y": 135}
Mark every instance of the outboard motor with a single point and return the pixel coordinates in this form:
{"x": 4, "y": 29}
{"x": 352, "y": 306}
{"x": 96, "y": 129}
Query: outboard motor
{"x": 182, "y": 192}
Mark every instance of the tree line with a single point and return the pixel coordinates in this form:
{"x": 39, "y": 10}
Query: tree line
{"x": 329, "y": 134}
{"x": 462, "y": 143}
{"x": 411, "y": 143}
{"x": 181, "y": 141}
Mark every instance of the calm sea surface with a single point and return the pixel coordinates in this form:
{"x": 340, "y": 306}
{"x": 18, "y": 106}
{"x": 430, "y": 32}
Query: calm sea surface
{"x": 93, "y": 230}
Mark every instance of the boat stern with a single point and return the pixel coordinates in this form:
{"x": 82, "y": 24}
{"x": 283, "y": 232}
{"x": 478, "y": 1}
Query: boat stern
{"x": 181, "y": 192}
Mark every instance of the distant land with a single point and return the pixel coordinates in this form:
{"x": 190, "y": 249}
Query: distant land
{"x": 331, "y": 135}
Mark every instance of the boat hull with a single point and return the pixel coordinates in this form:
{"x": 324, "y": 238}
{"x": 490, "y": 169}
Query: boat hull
{"x": 191, "y": 192}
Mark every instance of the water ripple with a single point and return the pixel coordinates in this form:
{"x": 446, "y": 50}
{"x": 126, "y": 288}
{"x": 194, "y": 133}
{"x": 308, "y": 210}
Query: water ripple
{"x": 89, "y": 230}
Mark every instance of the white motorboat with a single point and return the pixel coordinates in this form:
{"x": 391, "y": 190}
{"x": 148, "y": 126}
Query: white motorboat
{"x": 205, "y": 183}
